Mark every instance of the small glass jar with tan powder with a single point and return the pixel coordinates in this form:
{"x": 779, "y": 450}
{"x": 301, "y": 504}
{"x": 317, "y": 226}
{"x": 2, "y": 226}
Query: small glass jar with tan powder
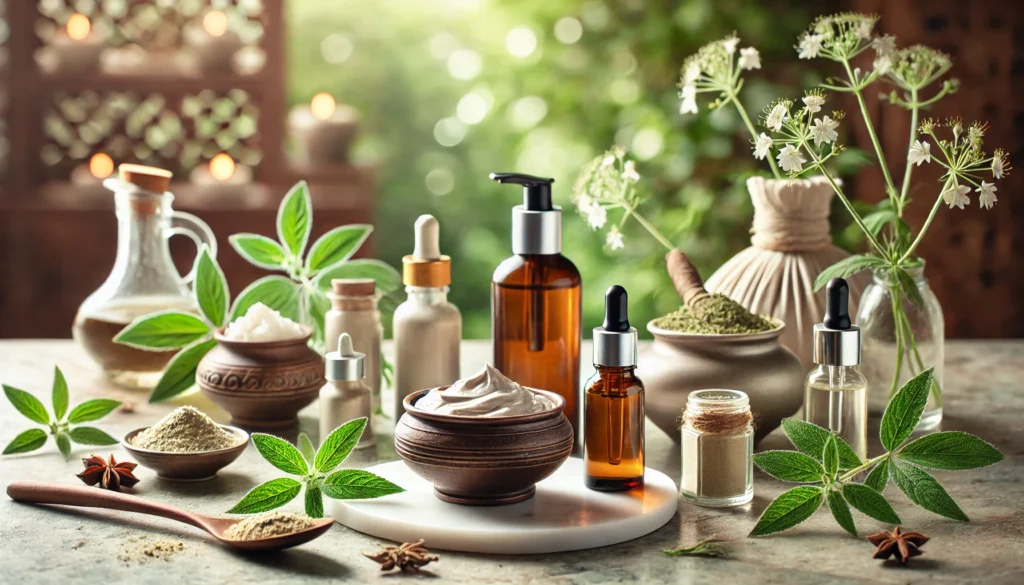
{"x": 718, "y": 448}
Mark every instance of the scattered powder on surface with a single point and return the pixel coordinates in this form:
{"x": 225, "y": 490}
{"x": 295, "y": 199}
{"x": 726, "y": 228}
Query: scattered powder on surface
{"x": 719, "y": 315}
{"x": 186, "y": 430}
{"x": 261, "y": 323}
{"x": 267, "y": 525}
{"x": 142, "y": 550}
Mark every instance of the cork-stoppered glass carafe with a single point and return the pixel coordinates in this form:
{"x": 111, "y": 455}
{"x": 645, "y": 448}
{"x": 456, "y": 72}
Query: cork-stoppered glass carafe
{"x": 536, "y": 301}
{"x": 143, "y": 280}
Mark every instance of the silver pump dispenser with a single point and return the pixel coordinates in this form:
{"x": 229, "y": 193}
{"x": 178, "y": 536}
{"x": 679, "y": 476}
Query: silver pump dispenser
{"x": 346, "y": 364}
{"x": 615, "y": 339}
{"x": 836, "y": 340}
{"x": 536, "y": 224}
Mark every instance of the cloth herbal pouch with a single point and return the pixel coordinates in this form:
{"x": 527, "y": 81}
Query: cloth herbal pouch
{"x": 790, "y": 245}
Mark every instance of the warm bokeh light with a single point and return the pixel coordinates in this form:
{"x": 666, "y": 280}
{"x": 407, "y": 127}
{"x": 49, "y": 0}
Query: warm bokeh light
{"x": 222, "y": 167}
{"x": 101, "y": 165}
{"x": 322, "y": 105}
{"x": 78, "y": 26}
{"x": 215, "y": 22}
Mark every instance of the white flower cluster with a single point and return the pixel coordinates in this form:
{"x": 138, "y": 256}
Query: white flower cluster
{"x": 607, "y": 182}
{"x": 964, "y": 162}
{"x": 715, "y": 68}
{"x": 796, "y": 132}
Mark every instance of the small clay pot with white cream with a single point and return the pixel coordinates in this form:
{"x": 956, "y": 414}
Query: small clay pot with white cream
{"x": 485, "y": 440}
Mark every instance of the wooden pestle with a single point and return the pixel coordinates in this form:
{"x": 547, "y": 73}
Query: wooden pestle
{"x": 687, "y": 281}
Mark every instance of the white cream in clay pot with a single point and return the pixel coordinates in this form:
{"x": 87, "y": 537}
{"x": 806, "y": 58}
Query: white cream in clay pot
{"x": 486, "y": 394}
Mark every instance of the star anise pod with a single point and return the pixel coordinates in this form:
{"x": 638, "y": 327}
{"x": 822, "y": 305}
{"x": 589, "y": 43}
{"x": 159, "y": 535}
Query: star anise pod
{"x": 899, "y": 543}
{"x": 408, "y": 557}
{"x": 111, "y": 475}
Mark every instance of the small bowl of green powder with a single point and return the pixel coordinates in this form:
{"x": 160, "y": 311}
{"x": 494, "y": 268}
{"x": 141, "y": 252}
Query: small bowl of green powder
{"x": 719, "y": 315}
{"x": 186, "y": 445}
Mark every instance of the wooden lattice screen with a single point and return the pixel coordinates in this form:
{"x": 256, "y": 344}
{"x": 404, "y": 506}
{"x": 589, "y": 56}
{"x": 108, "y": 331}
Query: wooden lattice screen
{"x": 156, "y": 90}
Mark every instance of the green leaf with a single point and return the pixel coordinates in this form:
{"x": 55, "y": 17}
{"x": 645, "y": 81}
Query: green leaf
{"x": 91, "y": 436}
{"x": 830, "y": 456}
{"x": 789, "y": 466}
{"x": 64, "y": 445}
{"x": 925, "y": 491}
{"x": 810, "y": 439}
{"x": 317, "y": 306}
{"x": 841, "y": 511}
{"x": 869, "y": 502}
{"x": 336, "y": 246}
{"x": 267, "y": 496}
{"x": 276, "y": 292}
{"x": 60, "y": 394}
{"x": 180, "y": 373}
{"x": 846, "y": 267}
{"x": 388, "y": 279}
{"x": 27, "y": 405}
{"x": 904, "y": 410}
{"x": 314, "y": 502}
{"x": 306, "y": 448}
{"x": 877, "y": 220}
{"x": 30, "y": 440}
{"x": 356, "y": 484}
{"x": 163, "y": 330}
{"x": 953, "y": 450}
{"x": 94, "y": 409}
{"x": 295, "y": 219}
{"x": 280, "y": 453}
{"x": 879, "y": 476}
{"x": 336, "y": 447}
{"x": 259, "y": 250}
{"x": 211, "y": 289}
{"x": 909, "y": 287}
{"x": 789, "y": 509}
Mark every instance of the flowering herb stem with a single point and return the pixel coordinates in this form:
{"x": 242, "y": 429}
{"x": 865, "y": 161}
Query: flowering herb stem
{"x": 924, "y": 229}
{"x": 649, "y": 227}
{"x": 842, "y": 197}
{"x": 905, "y": 189}
{"x": 753, "y": 133}
{"x": 871, "y": 132}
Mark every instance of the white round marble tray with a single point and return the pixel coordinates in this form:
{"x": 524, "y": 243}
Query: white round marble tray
{"x": 563, "y": 515}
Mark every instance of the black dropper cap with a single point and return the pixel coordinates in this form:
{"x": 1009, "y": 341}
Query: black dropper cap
{"x": 616, "y": 310}
{"x": 615, "y": 340}
{"x": 837, "y": 305}
{"x": 536, "y": 190}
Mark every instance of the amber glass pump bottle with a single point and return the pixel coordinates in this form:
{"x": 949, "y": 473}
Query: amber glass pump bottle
{"x": 535, "y": 300}
{"x": 613, "y": 452}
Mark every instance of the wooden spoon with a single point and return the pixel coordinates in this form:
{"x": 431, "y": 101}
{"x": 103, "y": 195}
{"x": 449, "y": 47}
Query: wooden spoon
{"x": 35, "y": 492}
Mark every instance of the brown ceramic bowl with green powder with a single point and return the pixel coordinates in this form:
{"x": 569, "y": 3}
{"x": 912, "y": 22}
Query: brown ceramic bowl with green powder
{"x": 186, "y": 445}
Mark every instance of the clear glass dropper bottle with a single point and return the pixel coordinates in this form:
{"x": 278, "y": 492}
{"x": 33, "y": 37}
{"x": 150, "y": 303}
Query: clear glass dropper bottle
{"x": 835, "y": 393}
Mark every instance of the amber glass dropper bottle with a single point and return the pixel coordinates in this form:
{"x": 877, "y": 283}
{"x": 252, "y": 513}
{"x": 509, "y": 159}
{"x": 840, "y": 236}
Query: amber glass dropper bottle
{"x": 613, "y": 452}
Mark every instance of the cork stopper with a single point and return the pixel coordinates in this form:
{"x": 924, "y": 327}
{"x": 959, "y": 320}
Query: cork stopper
{"x": 426, "y": 266}
{"x": 148, "y": 178}
{"x": 685, "y": 279}
{"x": 354, "y": 287}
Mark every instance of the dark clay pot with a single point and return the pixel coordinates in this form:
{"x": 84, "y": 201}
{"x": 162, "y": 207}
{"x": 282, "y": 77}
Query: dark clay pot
{"x": 483, "y": 461}
{"x": 263, "y": 384}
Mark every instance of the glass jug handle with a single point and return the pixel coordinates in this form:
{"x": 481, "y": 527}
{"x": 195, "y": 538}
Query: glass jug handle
{"x": 186, "y": 224}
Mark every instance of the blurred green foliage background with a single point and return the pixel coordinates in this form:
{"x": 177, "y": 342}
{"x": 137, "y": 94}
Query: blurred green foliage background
{"x": 451, "y": 90}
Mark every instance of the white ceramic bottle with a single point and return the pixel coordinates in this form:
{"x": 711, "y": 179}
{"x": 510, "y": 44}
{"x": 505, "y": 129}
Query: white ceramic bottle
{"x": 346, "y": 395}
{"x": 427, "y": 328}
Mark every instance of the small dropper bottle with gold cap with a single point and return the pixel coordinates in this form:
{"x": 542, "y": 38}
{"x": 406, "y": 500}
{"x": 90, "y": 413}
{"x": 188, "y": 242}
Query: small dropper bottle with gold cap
{"x": 427, "y": 328}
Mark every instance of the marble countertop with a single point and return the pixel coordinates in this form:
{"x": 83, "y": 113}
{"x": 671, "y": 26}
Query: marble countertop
{"x": 984, "y": 396}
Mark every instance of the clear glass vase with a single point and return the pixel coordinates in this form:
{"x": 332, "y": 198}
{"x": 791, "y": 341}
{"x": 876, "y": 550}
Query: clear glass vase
{"x": 901, "y": 339}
